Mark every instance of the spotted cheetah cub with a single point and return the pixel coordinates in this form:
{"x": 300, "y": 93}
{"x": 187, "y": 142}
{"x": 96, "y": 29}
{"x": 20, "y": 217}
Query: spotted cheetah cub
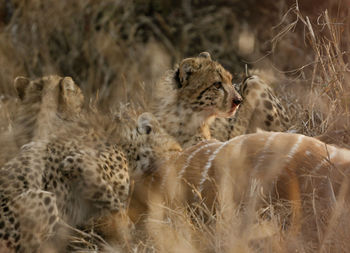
{"x": 189, "y": 98}
{"x": 261, "y": 109}
{"x": 41, "y": 103}
{"x": 79, "y": 170}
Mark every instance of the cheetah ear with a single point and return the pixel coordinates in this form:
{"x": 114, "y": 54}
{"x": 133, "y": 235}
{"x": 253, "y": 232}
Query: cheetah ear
{"x": 69, "y": 89}
{"x": 70, "y": 95}
{"x": 68, "y": 84}
{"x": 186, "y": 69}
{"x": 205, "y": 55}
{"x": 145, "y": 123}
{"x": 21, "y": 84}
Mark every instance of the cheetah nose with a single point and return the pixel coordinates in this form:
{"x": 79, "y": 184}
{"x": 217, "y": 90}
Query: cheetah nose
{"x": 237, "y": 101}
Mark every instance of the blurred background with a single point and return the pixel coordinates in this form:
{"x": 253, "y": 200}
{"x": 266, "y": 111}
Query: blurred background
{"x": 115, "y": 50}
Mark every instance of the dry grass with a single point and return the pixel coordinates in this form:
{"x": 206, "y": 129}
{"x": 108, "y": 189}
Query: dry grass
{"x": 115, "y": 50}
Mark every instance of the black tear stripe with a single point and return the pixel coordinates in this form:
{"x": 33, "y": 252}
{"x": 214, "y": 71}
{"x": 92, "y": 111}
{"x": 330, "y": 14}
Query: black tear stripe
{"x": 177, "y": 78}
{"x": 202, "y": 92}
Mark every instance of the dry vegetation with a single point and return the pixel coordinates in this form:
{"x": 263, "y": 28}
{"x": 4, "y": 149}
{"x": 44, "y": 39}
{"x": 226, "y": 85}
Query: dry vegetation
{"x": 116, "y": 50}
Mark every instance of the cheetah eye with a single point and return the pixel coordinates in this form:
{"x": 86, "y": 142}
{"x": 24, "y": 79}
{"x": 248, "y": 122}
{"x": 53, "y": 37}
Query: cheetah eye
{"x": 217, "y": 85}
{"x": 148, "y": 129}
{"x": 144, "y": 129}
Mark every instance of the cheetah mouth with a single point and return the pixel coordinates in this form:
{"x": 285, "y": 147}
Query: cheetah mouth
{"x": 233, "y": 109}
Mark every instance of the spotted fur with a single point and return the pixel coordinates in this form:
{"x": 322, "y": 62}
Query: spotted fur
{"x": 41, "y": 103}
{"x": 261, "y": 109}
{"x": 189, "y": 97}
{"x": 79, "y": 170}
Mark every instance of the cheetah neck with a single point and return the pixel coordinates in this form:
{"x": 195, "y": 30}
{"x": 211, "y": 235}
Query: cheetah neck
{"x": 175, "y": 114}
{"x": 180, "y": 121}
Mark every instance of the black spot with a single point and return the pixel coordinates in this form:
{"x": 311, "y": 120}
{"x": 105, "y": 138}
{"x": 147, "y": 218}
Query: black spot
{"x": 267, "y": 123}
{"x": 52, "y": 219}
{"x": 70, "y": 160}
{"x": 119, "y": 158}
{"x": 17, "y": 225}
{"x": 2, "y": 225}
{"x": 269, "y": 117}
{"x": 47, "y": 201}
{"x": 12, "y": 220}
{"x": 6, "y": 236}
{"x": 268, "y": 104}
{"x": 17, "y": 237}
{"x": 121, "y": 176}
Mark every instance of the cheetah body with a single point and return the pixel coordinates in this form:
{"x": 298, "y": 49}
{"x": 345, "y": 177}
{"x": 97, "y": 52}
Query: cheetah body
{"x": 260, "y": 109}
{"x": 78, "y": 170}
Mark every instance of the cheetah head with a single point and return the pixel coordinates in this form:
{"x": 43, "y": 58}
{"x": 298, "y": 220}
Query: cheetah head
{"x": 206, "y": 87}
{"x": 147, "y": 144}
{"x": 60, "y": 94}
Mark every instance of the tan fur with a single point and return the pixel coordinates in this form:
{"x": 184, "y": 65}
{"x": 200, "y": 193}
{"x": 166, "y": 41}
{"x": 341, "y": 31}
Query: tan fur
{"x": 302, "y": 170}
{"x": 261, "y": 108}
{"x": 42, "y": 103}
{"x": 79, "y": 165}
{"x": 189, "y": 97}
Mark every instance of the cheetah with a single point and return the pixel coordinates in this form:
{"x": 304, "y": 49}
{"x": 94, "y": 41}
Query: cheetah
{"x": 188, "y": 98}
{"x": 79, "y": 171}
{"x": 40, "y": 103}
{"x": 260, "y": 109}
{"x": 43, "y": 101}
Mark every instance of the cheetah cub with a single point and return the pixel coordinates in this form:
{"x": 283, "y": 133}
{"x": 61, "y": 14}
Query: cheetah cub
{"x": 189, "y": 98}
{"x": 260, "y": 109}
{"x": 41, "y": 103}
{"x": 79, "y": 170}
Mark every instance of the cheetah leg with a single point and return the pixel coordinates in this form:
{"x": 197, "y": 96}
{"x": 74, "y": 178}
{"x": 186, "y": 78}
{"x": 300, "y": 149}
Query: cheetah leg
{"x": 241, "y": 120}
{"x": 37, "y": 214}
